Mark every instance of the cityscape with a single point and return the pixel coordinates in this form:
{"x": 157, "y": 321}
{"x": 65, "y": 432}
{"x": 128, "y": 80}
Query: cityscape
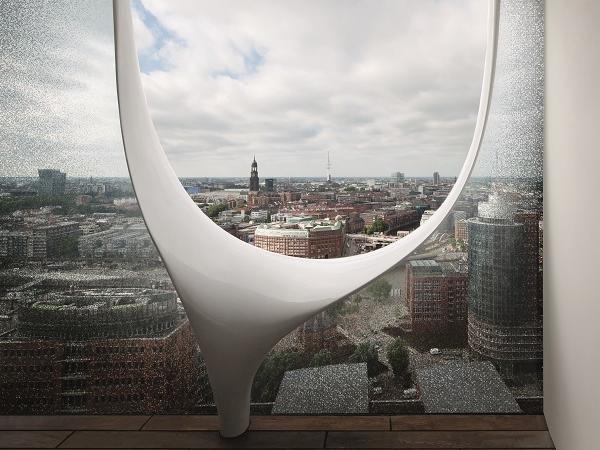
{"x": 90, "y": 322}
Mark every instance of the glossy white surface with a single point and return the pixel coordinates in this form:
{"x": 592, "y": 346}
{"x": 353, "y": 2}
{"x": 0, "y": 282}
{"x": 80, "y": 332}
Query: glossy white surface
{"x": 240, "y": 299}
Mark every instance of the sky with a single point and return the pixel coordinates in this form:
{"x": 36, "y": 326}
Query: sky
{"x": 382, "y": 86}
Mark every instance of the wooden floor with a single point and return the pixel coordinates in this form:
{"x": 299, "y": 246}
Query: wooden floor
{"x": 405, "y": 432}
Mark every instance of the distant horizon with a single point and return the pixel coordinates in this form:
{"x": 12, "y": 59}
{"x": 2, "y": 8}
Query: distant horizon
{"x": 315, "y": 177}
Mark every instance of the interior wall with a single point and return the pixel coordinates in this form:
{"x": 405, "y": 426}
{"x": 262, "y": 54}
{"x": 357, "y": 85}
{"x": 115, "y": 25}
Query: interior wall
{"x": 571, "y": 224}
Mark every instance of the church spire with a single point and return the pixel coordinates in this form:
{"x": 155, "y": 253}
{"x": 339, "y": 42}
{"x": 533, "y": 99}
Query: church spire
{"x": 254, "y": 181}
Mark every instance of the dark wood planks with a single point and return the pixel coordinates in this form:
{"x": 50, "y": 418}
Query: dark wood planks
{"x": 197, "y": 431}
{"x": 323, "y": 423}
{"x": 273, "y": 423}
{"x": 183, "y": 423}
{"x": 72, "y": 422}
{"x": 32, "y": 439}
{"x": 440, "y": 439}
{"x": 469, "y": 422}
{"x": 193, "y": 439}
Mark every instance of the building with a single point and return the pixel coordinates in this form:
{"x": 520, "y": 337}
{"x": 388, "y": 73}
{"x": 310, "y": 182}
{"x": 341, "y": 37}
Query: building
{"x": 533, "y": 264}
{"x": 397, "y": 178}
{"x": 55, "y": 241}
{"x": 436, "y": 295}
{"x": 15, "y": 245}
{"x": 125, "y": 242}
{"x": 270, "y": 184}
{"x": 365, "y": 243}
{"x": 331, "y": 390}
{"x": 51, "y": 182}
{"x": 321, "y": 332}
{"x": 459, "y": 387}
{"x": 109, "y": 350}
{"x": 254, "y": 185}
{"x": 502, "y": 326}
{"x": 306, "y": 239}
{"x": 287, "y": 197}
{"x": 394, "y": 218}
{"x": 426, "y": 216}
{"x": 261, "y": 215}
{"x": 436, "y": 178}
{"x": 461, "y": 230}
{"x": 354, "y": 223}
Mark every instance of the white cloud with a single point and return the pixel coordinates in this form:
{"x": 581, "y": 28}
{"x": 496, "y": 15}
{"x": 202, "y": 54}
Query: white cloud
{"x": 389, "y": 85}
{"x": 383, "y": 86}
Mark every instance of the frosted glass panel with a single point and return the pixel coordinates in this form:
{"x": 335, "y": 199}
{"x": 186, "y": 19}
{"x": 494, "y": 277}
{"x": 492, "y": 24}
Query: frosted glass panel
{"x": 314, "y": 145}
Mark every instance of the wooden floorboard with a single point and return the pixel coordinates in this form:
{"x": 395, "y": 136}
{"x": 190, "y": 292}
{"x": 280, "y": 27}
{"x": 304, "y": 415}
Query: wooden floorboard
{"x": 32, "y": 439}
{"x": 72, "y": 422}
{"x": 273, "y": 423}
{"x": 182, "y": 423}
{"x": 469, "y": 422}
{"x": 193, "y": 439}
{"x": 414, "y": 432}
{"x": 440, "y": 439}
{"x": 322, "y": 423}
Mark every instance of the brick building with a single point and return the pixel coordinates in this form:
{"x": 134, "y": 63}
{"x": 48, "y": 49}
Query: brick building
{"x": 310, "y": 239}
{"x": 394, "y": 218}
{"x": 99, "y": 351}
{"x": 436, "y": 294}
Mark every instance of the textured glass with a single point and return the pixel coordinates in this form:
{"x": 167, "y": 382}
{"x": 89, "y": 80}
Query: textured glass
{"x": 89, "y": 319}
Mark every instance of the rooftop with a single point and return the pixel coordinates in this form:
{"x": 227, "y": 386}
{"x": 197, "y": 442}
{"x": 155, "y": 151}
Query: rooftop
{"x": 335, "y": 389}
{"x": 466, "y": 388}
{"x": 298, "y": 229}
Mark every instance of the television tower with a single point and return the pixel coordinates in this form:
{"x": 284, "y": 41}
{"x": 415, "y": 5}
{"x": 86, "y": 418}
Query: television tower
{"x": 328, "y": 169}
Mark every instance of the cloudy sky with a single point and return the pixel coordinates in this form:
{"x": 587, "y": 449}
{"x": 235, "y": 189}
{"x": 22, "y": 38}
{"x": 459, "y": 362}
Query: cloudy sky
{"x": 383, "y": 86}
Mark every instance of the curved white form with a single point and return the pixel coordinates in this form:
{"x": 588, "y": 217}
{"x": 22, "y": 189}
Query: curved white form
{"x": 238, "y": 319}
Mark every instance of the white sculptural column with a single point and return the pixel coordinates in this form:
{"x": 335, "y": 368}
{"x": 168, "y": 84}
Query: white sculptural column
{"x": 238, "y": 319}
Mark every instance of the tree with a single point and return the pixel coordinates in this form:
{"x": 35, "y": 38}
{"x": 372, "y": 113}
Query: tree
{"x": 322, "y": 358}
{"x": 270, "y": 373}
{"x": 378, "y": 226}
{"x": 380, "y": 289}
{"x": 399, "y": 358}
{"x": 366, "y": 352}
{"x": 213, "y": 210}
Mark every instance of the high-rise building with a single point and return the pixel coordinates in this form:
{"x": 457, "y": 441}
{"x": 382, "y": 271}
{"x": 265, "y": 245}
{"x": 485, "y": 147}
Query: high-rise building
{"x": 254, "y": 181}
{"x": 269, "y": 184}
{"x": 51, "y": 182}
{"x": 114, "y": 351}
{"x": 436, "y": 178}
{"x": 328, "y": 169}
{"x": 502, "y": 326}
{"x": 397, "y": 178}
{"x": 533, "y": 273}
